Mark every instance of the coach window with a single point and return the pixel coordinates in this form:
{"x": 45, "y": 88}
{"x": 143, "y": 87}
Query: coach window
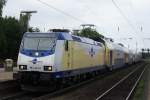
{"x": 76, "y": 39}
{"x": 99, "y": 44}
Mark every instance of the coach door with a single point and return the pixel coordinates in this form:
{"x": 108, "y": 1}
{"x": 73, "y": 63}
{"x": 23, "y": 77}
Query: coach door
{"x": 111, "y": 57}
{"x": 126, "y": 58}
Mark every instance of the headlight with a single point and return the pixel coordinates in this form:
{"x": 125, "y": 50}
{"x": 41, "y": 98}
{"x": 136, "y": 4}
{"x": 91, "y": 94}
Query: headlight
{"x": 47, "y": 68}
{"x": 23, "y": 67}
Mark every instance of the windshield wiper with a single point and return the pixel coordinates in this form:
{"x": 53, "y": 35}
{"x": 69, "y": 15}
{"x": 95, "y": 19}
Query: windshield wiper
{"x": 38, "y": 44}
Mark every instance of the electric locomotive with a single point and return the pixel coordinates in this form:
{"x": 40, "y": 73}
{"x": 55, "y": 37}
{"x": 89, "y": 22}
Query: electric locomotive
{"x": 48, "y": 58}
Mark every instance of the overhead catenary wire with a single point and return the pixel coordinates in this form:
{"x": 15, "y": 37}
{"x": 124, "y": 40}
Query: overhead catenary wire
{"x": 124, "y": 16}
{"x": 87, "y": 7}
{"x": 61, "y": 11}
{"x": 81, "y": 21}
{"x": 139, "y": 23}
{"x": 128, "y": 21}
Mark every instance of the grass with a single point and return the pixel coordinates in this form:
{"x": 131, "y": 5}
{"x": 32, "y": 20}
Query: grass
{"x": 140, "y": 89}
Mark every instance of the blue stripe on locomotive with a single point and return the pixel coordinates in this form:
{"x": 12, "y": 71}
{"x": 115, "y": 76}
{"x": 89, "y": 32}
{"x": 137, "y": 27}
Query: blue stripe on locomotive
{"x": 67, "y": 73}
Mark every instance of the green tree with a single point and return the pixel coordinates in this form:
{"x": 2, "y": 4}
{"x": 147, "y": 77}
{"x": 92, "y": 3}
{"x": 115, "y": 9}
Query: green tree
{"x": 3, "y": 42}
{"x": 10, "y": 32}
{"x": 90, "y": 33}
{"x": 2, "y": 3}
{"x": 24, "y": 22}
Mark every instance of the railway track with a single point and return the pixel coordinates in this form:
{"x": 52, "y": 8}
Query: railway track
{"x": 8, "y": 83}
{"x": 10, "y": 90}
{"x": 13, "y": 95}
{"x": 22, "y": 95}
{"x": 7, "y": 87}
{"x": 124, "y": 88}
{"x": 66, "y": 90}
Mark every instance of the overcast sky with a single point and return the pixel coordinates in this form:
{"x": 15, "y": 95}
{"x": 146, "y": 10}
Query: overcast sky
{"x": 103, "y": 13}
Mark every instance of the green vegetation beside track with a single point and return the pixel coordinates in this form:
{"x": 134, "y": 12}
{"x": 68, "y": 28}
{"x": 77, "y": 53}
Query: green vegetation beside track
{"x": 141, "y": 91}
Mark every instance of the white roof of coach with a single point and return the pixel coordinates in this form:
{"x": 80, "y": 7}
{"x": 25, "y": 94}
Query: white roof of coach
{"x": 87, "y": 40}
{"x": 110, "y": 44}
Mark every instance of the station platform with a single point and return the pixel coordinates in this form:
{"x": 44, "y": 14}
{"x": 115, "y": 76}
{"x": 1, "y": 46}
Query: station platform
{"x": 4, "y": 76}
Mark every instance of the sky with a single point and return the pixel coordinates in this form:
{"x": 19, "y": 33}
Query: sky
{"x": 107, "y": 15}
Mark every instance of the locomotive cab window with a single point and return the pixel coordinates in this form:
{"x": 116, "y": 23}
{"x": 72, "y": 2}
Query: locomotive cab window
{"x": 38, "y": 42}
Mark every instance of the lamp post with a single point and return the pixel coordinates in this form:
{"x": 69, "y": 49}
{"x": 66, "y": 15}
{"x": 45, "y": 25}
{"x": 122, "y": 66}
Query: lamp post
{"x": 25, "y": 21}
{"x": 136, "y": 47}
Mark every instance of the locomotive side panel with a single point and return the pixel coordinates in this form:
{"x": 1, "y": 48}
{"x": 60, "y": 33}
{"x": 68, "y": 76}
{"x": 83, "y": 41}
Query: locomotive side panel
{"x": 81, "y": 56}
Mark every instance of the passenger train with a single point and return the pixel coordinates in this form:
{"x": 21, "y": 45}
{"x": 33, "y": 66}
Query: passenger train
{"x": 46, "y": 59}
